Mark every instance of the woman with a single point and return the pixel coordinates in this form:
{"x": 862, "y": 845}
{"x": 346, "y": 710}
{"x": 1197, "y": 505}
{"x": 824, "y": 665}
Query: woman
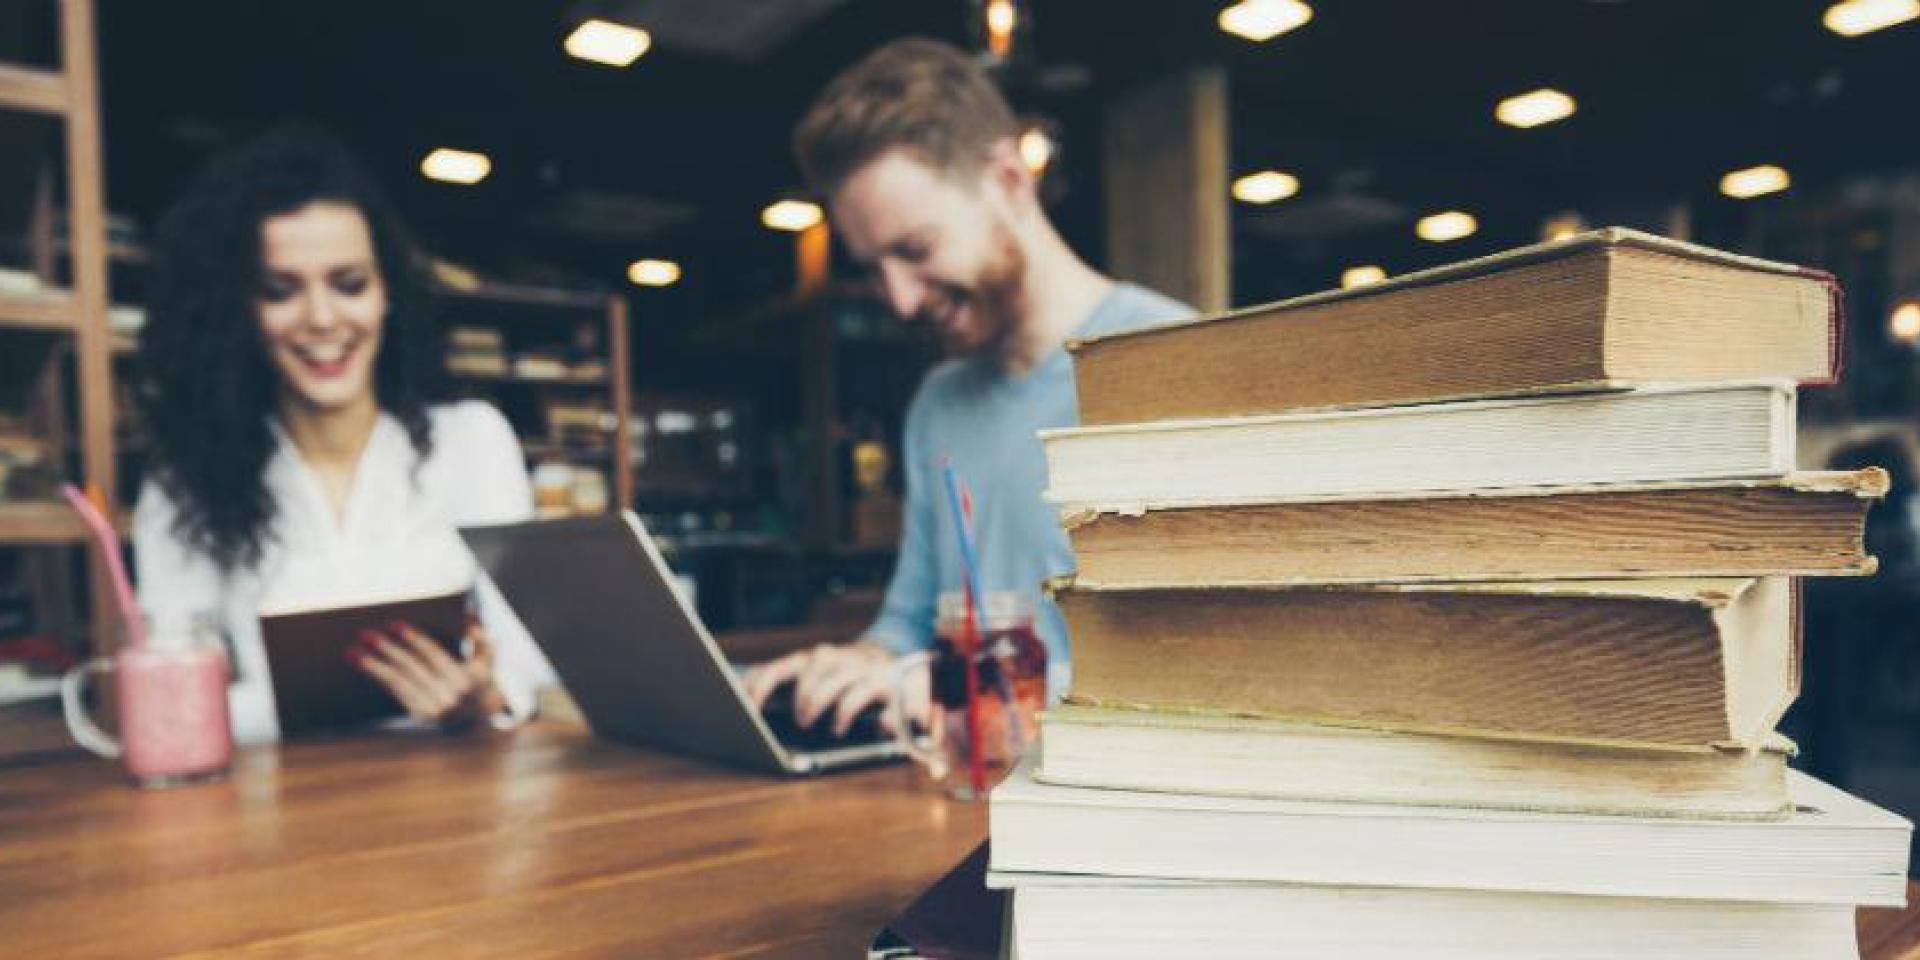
{"x": 289, "y": 379}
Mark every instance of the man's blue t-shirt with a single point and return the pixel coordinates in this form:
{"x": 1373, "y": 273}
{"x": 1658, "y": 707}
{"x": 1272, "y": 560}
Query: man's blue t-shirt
{"x": 983, "y": 420}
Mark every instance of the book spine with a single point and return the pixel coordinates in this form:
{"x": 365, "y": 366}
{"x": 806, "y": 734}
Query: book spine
{"x": 1836, "y": 328}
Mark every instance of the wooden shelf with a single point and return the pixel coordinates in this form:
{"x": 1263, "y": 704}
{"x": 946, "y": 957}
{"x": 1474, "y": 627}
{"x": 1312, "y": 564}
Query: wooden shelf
{"x": 46, "y": 523}
{"x": 40, "y": 523}
{"x": 542, "y": 449}
{"x": 72, "y": 410}
{"x": 32, "y": 88}
{"x": 566, "y": 381}
{"x": 525, "y": 296}
{"x": 118, "y": 251}
{"x": 50, "y": 311}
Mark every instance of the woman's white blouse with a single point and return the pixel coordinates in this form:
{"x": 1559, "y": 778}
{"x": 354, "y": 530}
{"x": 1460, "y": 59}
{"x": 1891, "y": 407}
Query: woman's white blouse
{"x": 397, "y": 539}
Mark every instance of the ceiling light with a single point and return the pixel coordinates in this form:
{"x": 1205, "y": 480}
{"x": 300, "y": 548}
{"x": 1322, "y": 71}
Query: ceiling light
{"x": 1036, "y": 150}
{"x": 1755, "y": 182}
{"x": 1002, "y": 17}
{"x": 1905, "y": 322}
{"x": 792, "y": 215}
{"x": 1442, "y": 227}
{"x": 1564, "y": 226}
{"x": 1361, "y": 276}
{"x": 456, "y": 166}
{"x": 654, "y": 273}
{"x": 1855, "y": 17}
{"x": 1265, "y": 187}
{"x": 1544, "y": 105}
{"x": 1262, "y": 20}
{"x": 614, "y": 44}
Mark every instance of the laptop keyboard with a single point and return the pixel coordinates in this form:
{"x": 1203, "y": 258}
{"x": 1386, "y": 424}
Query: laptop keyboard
{"x": 787, "y": 729}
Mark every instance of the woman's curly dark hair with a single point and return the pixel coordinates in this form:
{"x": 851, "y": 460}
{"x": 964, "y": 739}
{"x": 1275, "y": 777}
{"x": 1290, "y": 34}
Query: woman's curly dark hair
{"x": 205, "y": 382}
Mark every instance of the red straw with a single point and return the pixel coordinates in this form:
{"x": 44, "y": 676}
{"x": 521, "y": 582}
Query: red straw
{"x": 976, "y": 756}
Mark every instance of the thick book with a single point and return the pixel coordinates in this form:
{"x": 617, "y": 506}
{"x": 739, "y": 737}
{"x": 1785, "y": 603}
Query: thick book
{"x": 1805, "y": 524}
{"x": 1833, "y": 849}
{"x": 1241, "y": 756}
{"x": 1727, "y": 431}
{"x": 1606, "y": 308}
{"x": 1685, "y": 664}
{"x": 316, "y": 689}
{"x": 1101, "y": 918}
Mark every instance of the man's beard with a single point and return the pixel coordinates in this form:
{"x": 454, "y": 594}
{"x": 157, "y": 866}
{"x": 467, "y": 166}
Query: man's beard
{"x": 997, "y": 297}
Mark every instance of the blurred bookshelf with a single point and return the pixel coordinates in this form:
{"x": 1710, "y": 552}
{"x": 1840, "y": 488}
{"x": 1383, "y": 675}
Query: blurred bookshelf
{"x": 555, "y": 363}
{"x": 56, "y": 382}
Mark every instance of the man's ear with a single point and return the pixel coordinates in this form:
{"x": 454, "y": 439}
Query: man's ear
{"x": 1007, "y": 172}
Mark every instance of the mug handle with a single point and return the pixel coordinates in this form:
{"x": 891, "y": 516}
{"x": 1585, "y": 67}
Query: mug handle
{"x": 920, "y": 749}
{"x": 79, "y": 724}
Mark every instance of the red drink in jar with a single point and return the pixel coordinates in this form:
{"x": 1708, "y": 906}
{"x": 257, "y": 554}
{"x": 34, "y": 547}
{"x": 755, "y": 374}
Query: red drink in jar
{"x": 1009, "y": 667}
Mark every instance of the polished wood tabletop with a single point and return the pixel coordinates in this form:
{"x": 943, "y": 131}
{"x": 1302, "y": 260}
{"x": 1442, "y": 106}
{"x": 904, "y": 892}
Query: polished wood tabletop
{"x": 542, "y": 843}
{"x": 1888, "y": 934}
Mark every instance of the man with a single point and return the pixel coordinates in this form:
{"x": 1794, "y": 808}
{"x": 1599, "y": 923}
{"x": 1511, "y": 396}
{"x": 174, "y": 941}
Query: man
{"x": 916, "y": 153}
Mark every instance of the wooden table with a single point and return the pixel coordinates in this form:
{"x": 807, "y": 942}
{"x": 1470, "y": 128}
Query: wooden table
{"x": 1888, "y": 934}
{"x": 537, "y": 844}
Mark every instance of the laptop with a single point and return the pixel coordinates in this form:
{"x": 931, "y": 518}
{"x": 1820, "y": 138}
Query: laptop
{"x": 601, "y": 603}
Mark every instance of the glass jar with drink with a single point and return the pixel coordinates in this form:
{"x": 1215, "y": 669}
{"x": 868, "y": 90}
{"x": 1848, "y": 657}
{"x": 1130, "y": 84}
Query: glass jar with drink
{"x": 988, "y": 676}
{"x": 170, "y": 688}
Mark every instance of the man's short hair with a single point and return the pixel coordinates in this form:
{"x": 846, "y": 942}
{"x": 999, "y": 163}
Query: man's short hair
{"x": 919, "y": 95}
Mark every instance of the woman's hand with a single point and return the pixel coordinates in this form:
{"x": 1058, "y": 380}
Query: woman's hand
{"x": 428, "y": 682}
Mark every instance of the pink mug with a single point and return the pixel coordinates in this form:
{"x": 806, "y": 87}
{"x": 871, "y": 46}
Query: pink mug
{"x": 172, "y": 698}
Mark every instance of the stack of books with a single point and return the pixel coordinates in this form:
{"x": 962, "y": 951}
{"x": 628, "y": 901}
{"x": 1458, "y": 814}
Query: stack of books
{"x": 476, "y": 352}
{"x": 580, "y": 424}
{"x": 1450, "y": 617}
